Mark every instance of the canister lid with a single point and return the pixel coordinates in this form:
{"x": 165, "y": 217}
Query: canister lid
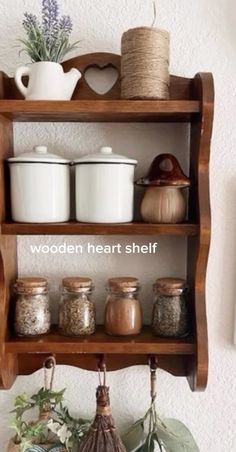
{"x": 76, "y": 282}
{"x": 123, "y": 282}
{"x": 170, "y": 286}
{"x": 40, "y": 154}
{"x": 105, "y": 156}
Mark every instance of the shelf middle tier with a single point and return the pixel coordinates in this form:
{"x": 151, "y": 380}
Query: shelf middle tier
{"x": 75, "y": 228}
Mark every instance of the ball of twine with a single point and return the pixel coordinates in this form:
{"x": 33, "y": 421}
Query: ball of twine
{"x": 145, "y": 63}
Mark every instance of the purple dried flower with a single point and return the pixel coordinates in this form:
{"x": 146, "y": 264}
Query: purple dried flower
{"x": 48, "y": 40}
{"x": 50, "y": 12}
{"x": 30, "y": 20}
{"x": 65, "y": 24}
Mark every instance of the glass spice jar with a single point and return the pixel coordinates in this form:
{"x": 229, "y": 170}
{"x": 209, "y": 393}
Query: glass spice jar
{"x": 123, "y": 314}
{"x": 77, "y": 310}
{"x": 32, "y": 312}
{"x": 170, "y": 311}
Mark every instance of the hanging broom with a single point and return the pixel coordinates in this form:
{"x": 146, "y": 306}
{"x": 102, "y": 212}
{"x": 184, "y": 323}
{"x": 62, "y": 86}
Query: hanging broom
{"x": 102, "y": 435}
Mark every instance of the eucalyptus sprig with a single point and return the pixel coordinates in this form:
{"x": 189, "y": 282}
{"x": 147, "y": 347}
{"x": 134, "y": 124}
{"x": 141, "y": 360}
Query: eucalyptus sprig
{"x": 48, "y": 40}
{"x": 169, "y": 435}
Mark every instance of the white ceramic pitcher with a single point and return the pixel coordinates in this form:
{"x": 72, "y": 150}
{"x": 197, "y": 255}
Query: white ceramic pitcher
{"x": 47, "y": 81}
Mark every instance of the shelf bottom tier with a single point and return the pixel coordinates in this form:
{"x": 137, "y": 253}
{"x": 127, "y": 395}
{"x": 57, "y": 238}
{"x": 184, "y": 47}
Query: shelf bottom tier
{"x": 173, "y": 355}
{"x": 101, "y": 343}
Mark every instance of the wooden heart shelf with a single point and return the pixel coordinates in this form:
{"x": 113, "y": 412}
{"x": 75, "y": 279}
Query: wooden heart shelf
{"x": 191, "y": 101}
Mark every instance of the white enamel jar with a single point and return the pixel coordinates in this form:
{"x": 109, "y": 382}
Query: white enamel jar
{"x": 40, "y": 187}
{"x": 104, "y": 187}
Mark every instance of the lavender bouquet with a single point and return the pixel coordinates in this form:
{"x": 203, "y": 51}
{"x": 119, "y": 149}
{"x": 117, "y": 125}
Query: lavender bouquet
{"x": 50, "y": 39}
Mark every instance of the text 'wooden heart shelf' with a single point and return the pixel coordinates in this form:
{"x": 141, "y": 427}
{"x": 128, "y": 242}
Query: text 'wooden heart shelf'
{"x": 191, "y": 101}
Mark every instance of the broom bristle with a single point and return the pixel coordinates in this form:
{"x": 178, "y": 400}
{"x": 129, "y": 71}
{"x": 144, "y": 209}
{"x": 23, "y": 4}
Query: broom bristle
{"x": 102, "y": 435}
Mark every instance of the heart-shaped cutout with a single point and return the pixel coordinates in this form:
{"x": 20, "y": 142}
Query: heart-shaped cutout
{"x": 101, "y": 79}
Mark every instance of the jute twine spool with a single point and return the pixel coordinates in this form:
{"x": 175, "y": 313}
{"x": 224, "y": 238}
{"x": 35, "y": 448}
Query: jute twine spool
{"x": 145, "y": 63}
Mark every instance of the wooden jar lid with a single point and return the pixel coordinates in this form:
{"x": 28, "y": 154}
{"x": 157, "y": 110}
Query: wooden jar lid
{"x": 170, "y": 286}
{"x": 76, "y": 282}
{"x": 31, "y": 282}
{"x": 123, "y": 282}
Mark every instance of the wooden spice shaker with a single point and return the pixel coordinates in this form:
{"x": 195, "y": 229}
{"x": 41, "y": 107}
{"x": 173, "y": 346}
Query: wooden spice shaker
{"x": 123, "y": 314}
{"x": 164, "y": 201}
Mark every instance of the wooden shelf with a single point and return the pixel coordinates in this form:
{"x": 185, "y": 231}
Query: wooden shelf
{"x": 99, "y": 229}
{"x": 99, "y": 110}
{"x": 99, "y": 343}
{"x": 191, "y": 100}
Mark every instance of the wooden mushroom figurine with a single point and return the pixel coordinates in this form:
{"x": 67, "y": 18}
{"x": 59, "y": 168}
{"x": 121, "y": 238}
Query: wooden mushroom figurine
{"x": 164, "y": 201}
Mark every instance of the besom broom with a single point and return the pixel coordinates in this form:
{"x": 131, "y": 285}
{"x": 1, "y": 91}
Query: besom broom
{"x": 102, "y": 435}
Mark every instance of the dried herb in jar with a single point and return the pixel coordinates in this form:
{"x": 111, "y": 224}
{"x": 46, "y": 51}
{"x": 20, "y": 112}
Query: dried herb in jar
{"x": 77, "y": 310}
{"x": 32, "y": 313}
{"x": 170, "y": 310}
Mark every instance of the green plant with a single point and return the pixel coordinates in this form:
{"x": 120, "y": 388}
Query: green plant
{"x": 69, "y": 429}
{"x": 28, "y": 433}
{"x": 169, "y": 435}
{"x": 151, "y": 433}
{"x": 50, "y": 39}
{"x": 54, "y": 423}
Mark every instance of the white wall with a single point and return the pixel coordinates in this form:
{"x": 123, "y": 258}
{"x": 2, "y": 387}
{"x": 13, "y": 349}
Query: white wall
{"x": 203, "y": 38}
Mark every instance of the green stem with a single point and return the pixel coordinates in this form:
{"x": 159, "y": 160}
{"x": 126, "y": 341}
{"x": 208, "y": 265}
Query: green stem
{"x": 160, "y": 445}
{"x": 150, "y": 420}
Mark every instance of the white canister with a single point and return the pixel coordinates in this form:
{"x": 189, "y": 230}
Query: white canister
{"x": 40, "y": 187}
{"x": 104, "y": 187}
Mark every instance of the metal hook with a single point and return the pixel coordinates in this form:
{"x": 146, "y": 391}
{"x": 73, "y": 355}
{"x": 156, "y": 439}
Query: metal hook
{"x": 101, "y": 367}
{"x": 101, "y": 362}
{"x": 153, "y": 362}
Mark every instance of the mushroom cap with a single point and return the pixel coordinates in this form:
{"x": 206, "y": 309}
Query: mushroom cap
{"x": 165, "y": 171}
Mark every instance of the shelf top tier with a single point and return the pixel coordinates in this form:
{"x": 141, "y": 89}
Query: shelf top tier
{"x": 89, "y": 106}
{"x": 99, "y": 111}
